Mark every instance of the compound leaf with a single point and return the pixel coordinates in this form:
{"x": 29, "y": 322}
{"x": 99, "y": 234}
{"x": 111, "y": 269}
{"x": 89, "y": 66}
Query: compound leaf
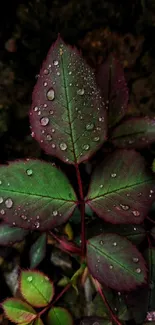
{"x": 110, "y": 78}
{"x": 38, "y": 251}
{"x": 116, "y": 262}
{"x": 122, "y": 190}
{"x": 18, "y": 311}
{"x": 36, "y": 288}
{"x": 59, "y": 316}
{"x": 68, "y": 117}
{"x": 10, "y": 235}
{"x": 136, "y": 132}
{"x": 35, "y": 195}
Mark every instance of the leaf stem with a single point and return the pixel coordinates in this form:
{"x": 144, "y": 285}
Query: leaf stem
{"x": 82, "y": 210}
{"x": 113, "y": 317}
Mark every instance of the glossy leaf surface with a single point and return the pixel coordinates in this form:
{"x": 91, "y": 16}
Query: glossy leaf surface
{"x": 59, "y": 316}
{"x": 18, "y": 311}
{"x": 36, "y": 288}
{"x": 116, "y": 262}
{"x": 39, "y": 196}
{"x": 10, "y": 235}
{"x": 110, "y": 78}
{"x": 122, "y": 190}
{"x": 67, "y": 115}
{"x": 134, "y": 133}
{"x": 38, "y": 251}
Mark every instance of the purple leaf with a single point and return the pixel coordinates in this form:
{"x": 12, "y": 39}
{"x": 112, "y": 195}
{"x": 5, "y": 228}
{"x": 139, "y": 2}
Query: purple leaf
{"x": 110, "y": 78}
{"x": 116, "y": 262}
{"x": 136, "y": 132}
{"x": 122, "y": 190}
{"x": 68, "y": 117}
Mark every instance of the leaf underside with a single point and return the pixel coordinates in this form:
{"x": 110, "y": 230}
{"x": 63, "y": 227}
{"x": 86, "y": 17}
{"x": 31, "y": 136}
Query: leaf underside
{"x": 122, "y": 190}
{"x": 116, "y": 262}
{"x": 134, "y": 133}
{"x": 110, "y": 78}
{"x": 67, "y": 116}
{"x": 35, "y": 195}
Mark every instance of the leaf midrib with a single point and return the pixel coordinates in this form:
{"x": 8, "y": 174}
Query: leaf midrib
{"x": 113, "y": 260}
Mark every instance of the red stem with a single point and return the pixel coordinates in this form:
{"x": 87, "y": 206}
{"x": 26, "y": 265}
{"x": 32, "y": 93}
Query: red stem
{"x": 82, "y": 209}
{"x": 150, "y": 219}
{"x": 113, "y": 317}
{"x": 56, "y": 299}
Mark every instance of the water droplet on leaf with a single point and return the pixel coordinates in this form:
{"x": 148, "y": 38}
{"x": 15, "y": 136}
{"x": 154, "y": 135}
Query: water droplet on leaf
{"x": 63, "y": 146}
{"x": 29, "y": 279}
{"x": 55, "y": 62}
{"x": 50, "y": 94}
{"x": 135, "y": 259}
{"x": 136, "y": 213}
{"x": 113, "y": 175}
{"x": 29, "y": 172}
{"x": 86, "y": 147}
{"x": 114, "y": 244}
{"x": 138, "y": 270}
{"x": 9, "y": 203}
{"x": 44, "y": 121}
{"x": 96, "y": 139}
{"x": 55, "y": 213}
{"x": 111, "y": 267}
{"x": 124, "y": 207}
{"x": 80, "y": 91}
{"x": 2, "y": 211}
{"x": 49, "y": 137}
{"x": 90, "y": 126}
{"x": 1, "y": 199}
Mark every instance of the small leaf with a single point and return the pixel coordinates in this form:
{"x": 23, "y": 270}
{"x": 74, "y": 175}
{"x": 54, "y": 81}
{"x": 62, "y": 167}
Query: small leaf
{"x": 18, "y": 311}
{"x": 122, "y": 190}
{"x": 110, "y": 78}
{"x": 36, "y": 288}
{"x": 136, "y": 132}
{"x": 39, "y": 196}
{"x": 10, "y": 235}
{"x": 94, "y": 320}
{"x": 124, "y": 266}
{"x": 68, "y": 117}
{"x": 38, "y": 321}
{"x": 38, "y": 251}
{"x": 59, "y": 316}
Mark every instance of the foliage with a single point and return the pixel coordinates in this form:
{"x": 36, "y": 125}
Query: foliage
{"x": 74, "y": 111}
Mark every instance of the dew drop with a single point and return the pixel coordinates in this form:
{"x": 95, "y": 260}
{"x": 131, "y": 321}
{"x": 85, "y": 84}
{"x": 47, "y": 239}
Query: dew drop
{"x": 138, "y": 270}
{"x": 50, "y": 94}
{"x": 58, "y": 73}
{"x": 29, "y": 278}
{"x": 2, "y": 211}
{"x": 37, "y": 224}
{"x": 53, "y": 130}
{"x": 80, "y": 91}
{"x": 101, "y": 119}
{"x": 1, "y": 199}
{"x": 134, "y": 228}
{"x": 86, "y": 147}
{"x": 63, "y": 146}
{"x": 36, "y": 108}
{"x": 55, "y": 62}
{"x": 101, "y": 242}
{"x": 45, "y": 84}
{"x": 136, "y": 213}
{"x": 70, "y": 72}
{"x": 113, "y": 175}
{"x": 101, "y": 186}
{"x": 49, "y": 137}
{"x": 96, "y": 139}
{"x": 151, "y": 191}
{"x": 114, "y": 244}
{"x": 135, "y": 259}
{"x": 55, "y": 213}
{"x": 44, "y": 121}
{"x": 111, "y": 267}
{"x": 90, "y": 126}
{"x": 0, "y": 182}
{"x": 124, "y": 207}
{"x": 29, "y": 172}
{"x": 46, "y": 71}
{"x": 9, "y": 203}
{"x": 53, "y": 145}
{"x": 23, "y": 217}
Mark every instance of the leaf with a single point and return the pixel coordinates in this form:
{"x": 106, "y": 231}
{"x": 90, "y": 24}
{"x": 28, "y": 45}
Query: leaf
{"x": 38, "y": 321}
{"x": 110, "y": 79}
{"x": 136, "y": 132}
{"x": 94, "y": 320}
{"x": 36, "y": 288}
{"x": 38, "y": 251}
{"x": 137, "y": 302}
{"x": 122, "y": 190}
{"x": 68, "y": 117}
{"x": 59, "y": 316}
{"x": 18, "y": 311}
{"x": 116, "y": 262}
{"x": 10, "y": 235}
{"x": 39, "y": 196}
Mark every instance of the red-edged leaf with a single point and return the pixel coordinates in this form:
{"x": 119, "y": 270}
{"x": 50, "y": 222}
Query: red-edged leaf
{"x": 18, "y": 311}
{"x": 110, "y": 78}
{"x": 36, "y": 288}
{"x": 122, "y": 190}
{"x": 67, "y": 114}
{"x": 35, "y": 195}
{"x": 116, "y": 262}
{"x": 134, "y": 133}
{"x": 10, "y": 235}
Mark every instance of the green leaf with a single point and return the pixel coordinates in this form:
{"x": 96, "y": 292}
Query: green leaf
{"x": 36, "y": 288}
{"x": 122, "y": 190}
{"x": 124, "y": 266}
{"x": 110, "y": 78}
{"x": 10, "y": 235}
{"x": 59, "y": 316}
{"x": 38, "y": 251}
{"x": 38, "y": 321}
{"x": 18, "y": 311}
{"x": 136, "y": 132}
{"x": 35, "y": 195}
{"x": 68, "y": 116}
